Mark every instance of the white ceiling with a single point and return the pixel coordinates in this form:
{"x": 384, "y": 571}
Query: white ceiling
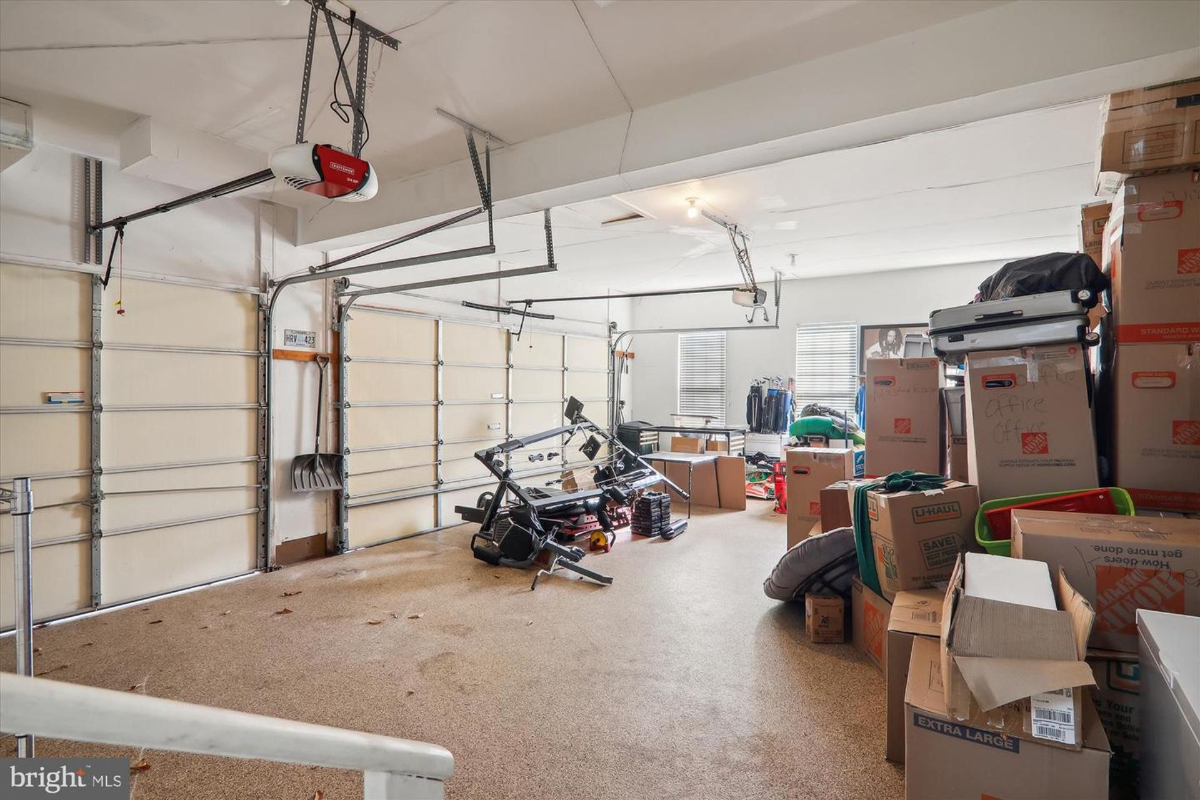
{"x": 1001, "y": 189}
{"x": 522, "y": 68}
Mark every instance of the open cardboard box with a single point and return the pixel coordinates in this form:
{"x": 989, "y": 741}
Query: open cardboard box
{"x": 1020, "y": 665}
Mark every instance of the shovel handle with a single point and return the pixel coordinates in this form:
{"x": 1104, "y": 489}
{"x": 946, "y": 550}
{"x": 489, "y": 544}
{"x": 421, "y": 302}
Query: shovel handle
{"x": 322, "y": 362}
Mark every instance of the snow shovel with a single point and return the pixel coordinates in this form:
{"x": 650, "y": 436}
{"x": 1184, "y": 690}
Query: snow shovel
{"x": 319, "y": 472}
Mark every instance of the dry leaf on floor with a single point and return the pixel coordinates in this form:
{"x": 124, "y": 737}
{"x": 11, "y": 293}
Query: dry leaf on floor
{"x": 52, "y": 669}
{"x": 37, "y": 650}
{"x": 203, "y": 627}
{"x": 530, "y": 622}
{"x": 87, "y": 644}
{"x": 137, "y": 687}
{"x": 374, "y": 622}
{"x": 291, "y": 594}
{"x": 284, "y": 610}
{"x": 223, "y": 613}
{"x": 141, "y": 766}
{"x": 318, "y": 795}
{"x": 393, "y": 615}
{"x": 415, "y": 616}
{"x": 411, "y": 692}
{"x": 155, "y": 621}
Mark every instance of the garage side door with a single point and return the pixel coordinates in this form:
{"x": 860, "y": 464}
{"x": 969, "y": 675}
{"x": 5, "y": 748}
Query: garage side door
{"x": 179, "y": 438}
{"x": 390, "y": 427}
{"x": 45, "y": 346}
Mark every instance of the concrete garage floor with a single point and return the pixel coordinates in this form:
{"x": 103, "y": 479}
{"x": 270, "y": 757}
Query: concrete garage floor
{"x": 681, "y": 680}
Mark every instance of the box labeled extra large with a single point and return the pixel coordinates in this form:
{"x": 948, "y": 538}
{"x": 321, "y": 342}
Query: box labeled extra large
{"x": 809, "y": 470}
{"x": 1118, "y": 564}
{"x": 953, "y": 757}
{"x": 1156, "y": 425}
{"x": 918, "y": 535}
{"x": 903, "y": 415}
{"x": 1013, "y": 644}
{"x": 1029, "y": 421}
{"x": 1152, "y": 256}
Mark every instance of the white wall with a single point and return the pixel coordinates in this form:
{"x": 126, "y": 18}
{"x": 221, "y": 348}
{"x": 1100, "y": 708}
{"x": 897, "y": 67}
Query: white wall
{"x": 905, "y": 296}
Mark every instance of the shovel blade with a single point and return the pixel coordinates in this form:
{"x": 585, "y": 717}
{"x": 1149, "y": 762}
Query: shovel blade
{"x": 318, "y": 472}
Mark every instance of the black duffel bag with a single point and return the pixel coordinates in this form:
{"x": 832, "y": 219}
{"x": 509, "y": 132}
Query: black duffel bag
{"x": 1054, "y": 272}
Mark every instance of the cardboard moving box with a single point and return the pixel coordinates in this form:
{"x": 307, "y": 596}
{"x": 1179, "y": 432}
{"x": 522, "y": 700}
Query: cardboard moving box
{"x": 1156, "y": 425}
{"x": 1148, "y": 130}
{"x": 914, "y": 615}
{"x": 903, "y": 415}
{"x": 825, "y": 618}
{"x": 954, "y": 431}
{"x": 1093, "y": 218}
{"x": 1023, "y": 663}
{"x": 1118, "y": 564}
{"x": 1152, "y": 255}
{"x": 947, "y": 757}
{"x": 917, "y": 536}
{"x": 1030, "y": 422}
{"x": 869, "y": 614}
{"x": 835, "y": 507}
{"x": 1118, "y": 703}
{"x": 809, "y": 470}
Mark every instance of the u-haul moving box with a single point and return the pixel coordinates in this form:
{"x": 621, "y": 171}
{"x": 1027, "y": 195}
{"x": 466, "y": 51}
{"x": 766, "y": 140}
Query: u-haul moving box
{"x": 903, "y": 415}
{"x": 1030, "y": 421}
{"x": 918, "y": 535}
{"x": 1156, "y": 425}
{"x": 950, "y": 757}
{"x": 1118, "y": 564}
{"x": 1152, "y": 255}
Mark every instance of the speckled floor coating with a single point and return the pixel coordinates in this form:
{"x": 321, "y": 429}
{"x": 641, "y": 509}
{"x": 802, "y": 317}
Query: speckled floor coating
{"x": 681, "y": 680}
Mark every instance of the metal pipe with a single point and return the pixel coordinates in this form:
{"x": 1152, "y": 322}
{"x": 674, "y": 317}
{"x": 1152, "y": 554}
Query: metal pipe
{"x": 22, "y": 514}
{"x": 237, "y": 184}
{"x": 665, "y": 293}
{"x": 408, "y": 237}
{"x": 472, "y": 278}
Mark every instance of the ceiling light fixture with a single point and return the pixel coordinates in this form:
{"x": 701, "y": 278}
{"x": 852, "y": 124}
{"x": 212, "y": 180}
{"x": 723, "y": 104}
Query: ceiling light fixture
{"x": 693, "y": 209}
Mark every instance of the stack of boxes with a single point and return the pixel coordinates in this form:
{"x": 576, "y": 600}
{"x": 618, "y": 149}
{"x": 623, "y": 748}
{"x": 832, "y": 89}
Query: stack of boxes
{"x": 1021, "y": 679}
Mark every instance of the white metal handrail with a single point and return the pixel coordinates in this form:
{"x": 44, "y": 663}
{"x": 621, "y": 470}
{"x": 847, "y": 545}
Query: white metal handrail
{"x": 393, "y": 769}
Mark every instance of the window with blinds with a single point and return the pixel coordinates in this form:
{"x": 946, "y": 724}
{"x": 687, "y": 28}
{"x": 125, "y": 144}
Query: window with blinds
{"x": 827, "y": 365}
{"x": 702, "y": 376}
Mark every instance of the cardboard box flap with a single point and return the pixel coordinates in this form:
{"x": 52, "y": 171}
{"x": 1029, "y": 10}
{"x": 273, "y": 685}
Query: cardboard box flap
{"x": 992, "y": 629}
{"x": 924, "y": 688}
{"x": 997, "y": 681}
{"x": 918, "y": 612}
{"x": 1083, "y": 616}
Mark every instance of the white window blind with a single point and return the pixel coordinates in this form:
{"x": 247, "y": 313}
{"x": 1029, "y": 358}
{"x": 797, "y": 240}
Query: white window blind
{"x": 702, "y": 376}
{"x": 827, "y": 365}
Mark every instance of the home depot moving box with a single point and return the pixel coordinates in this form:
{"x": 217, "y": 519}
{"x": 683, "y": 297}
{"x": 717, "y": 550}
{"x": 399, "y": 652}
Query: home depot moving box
{"x": 1118, "y": 564}
{"x": 903, "y": 415}
{"x": 1118, "y": 703}
{"x": 869, "y": 615}
{"x": 1013, "y": 644}
{"x": 917, "y": 536}
{"x": 1152, "y": 255}
{"x": 914, "y": 615}
{"x": 1030, "y": 422}
{"x": 1148, "y": 130}
{"x": 1156, "y": 425}
{"x": 809, "y": 470}
{"x": 731, "y": 482}
{"x": 951, "y": 757}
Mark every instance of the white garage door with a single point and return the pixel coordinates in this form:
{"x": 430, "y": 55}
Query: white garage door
{"x": 424, "y": 395}
{"x": 161, "y": 489}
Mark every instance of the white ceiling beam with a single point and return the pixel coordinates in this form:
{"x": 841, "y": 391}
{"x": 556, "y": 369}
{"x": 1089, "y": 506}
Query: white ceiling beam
{"x": 1016, "y": 57}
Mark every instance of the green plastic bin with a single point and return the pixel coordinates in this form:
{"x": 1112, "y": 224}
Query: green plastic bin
{"x": 1003, "y": 547}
